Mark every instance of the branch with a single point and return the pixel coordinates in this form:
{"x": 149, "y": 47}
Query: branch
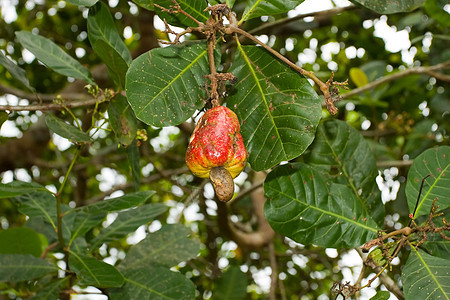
{"x": 39, "y": 97}
{"x": 274, "y": 274}
{"x": 284, "y": 21}
{"x": 324, "y": 86}
{"x": 431, "y": 70}
{"x": 385, "y": 279}
{"x": 53, "y": 106}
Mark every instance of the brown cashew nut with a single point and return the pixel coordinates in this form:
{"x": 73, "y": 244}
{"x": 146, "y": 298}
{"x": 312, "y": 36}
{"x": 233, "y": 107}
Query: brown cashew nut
{"x": 222, "y": 182}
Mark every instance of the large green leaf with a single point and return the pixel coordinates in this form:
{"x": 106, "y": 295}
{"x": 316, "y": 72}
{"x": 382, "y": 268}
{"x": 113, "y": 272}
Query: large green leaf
{"x": 18, "y": 267}
{"x": 303, "y": 205}
{"x": 164, "y": 86}
{"x": 118, "y": 203}
{"x": 389, "y": 6}
{"x": 66, "y": 130}
{"x": 232, "y": 285}
{"x": 20, "y": 240}
{"x": 436, "y": 163}
{"x": 193, "y": 7}
{"x": 106, "y": 42}
{"x": 345, "y": 157}
{"x": 122, "y": 120}
{"x": 168, "y": 247}
{"x": 94, "y": 272}
{"x": 127, "y": 222}
{"x": 53, "y": 56}
{"x": 258, "y": 8}
{"x": 155, "y": 283}
{"x": 17, "y": 187}
{"x": 425, "y": 276}
{"x": 16, "y": 71}
{"x": 277, "y": 107}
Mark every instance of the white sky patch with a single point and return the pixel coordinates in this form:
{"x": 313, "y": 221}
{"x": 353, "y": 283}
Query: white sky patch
{"x": 27, "y": 56}
{"x": 309, "y": 6}
{"x": 127, "y": 32}
{"x": 8, "y": 10}
{"x": 108, "y": 178}
{"x": 61, "y": 143}
{"x": 394, "y": 40}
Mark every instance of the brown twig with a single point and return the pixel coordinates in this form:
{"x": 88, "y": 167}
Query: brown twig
{"x": 431, "y": 70}
{"x": 323, "y": 86}
{"x": 274, "y": 274}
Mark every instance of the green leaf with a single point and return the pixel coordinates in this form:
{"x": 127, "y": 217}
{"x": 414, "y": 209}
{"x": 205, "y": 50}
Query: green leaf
{"x": 127, "y": 222}
{"x": 389, "y": 6}
{"x": 309, "y": 209}
{"x": 20, "y": 240}
{"x": 106, "y": 42}
{"x": 425, "y": 276}
{"x": 38, "y": 204}
{"x": 343, "y": 156}
{"x": 381, "y": 295}
{"x": 193, "y": 7}
{"x": 232, "y": 285}
{"x": 155, "y": 283}
{"x": 122, "y": 120}
{"x": 15, "y": 188}
{"x": 168, "y": 247}
{"x": 434, "y": 162}
{"x": 91, "y": 271}
{"x": 18, "y": 267}
{"x": 16, "y": 71}
{"x": 84, "y": 222}
{"x": 436, "y": 245}
{"x": 435, "y": 8}
{"x": 119, "y": 203}
{"x": 164, "y": 86}
{"x": 66, "y": 130}
{"x": 83, "y": 2}
{"x": 358, "y": 77}
{"x": 147, "y": 4}
{"x": 277, "y": 107}
{"x": 51, "y": 291}
{"x": 133, "y": 155}
{"x": 258, "y": 8}
{"x": 53, "y": 56}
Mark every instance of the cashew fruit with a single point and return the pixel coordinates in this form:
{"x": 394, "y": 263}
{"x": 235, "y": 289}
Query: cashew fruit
{"x": 217, "y": 142}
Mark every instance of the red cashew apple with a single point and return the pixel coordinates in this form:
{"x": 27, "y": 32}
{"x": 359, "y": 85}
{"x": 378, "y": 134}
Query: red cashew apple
{"x": 216, "y": 150}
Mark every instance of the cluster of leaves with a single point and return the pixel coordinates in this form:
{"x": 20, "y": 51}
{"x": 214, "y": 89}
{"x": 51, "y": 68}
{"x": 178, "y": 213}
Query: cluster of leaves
{"x": 325, "y": 195}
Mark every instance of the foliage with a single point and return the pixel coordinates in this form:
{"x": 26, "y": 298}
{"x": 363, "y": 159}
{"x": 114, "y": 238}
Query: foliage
{"x": 95, "y": 102}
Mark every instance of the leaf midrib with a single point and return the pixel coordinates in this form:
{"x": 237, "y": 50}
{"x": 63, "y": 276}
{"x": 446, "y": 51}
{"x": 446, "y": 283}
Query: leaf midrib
{"x": 263, "y": 96}
{"x": 430, "y": 272}
{"x": 172, "y": 81}
{"x": 429, "y": 191}
{"x": 325, "y": 211}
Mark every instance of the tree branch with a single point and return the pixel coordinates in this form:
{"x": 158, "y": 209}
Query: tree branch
{"x": 284, "y": 21}
{"x": 40, "y": 97}
{"x": 431, "y": 70}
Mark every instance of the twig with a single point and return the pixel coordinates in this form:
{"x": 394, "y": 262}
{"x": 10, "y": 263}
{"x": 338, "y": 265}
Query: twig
{"x": 323, "y": 86}
{"x": 53, "y": 106}
{"x": 274, "y": 274}
{"x": 431, "y": 70}
{"x": 284, "y": 21}
{"x": 40, "y": 97}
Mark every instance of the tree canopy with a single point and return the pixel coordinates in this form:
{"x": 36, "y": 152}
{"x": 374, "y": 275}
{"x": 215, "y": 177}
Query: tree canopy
{"x": 344, "y": 112}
